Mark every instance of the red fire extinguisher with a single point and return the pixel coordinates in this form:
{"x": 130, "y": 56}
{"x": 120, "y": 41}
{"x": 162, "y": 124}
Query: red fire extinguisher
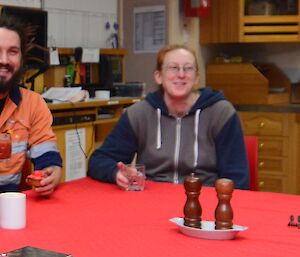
{"x": 197, "y": 8}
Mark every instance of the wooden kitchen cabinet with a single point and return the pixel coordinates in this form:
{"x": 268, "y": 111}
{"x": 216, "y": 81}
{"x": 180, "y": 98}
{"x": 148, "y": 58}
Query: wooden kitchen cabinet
{"x": 247, "y": 21}
{"x": 278, "y": 151}
{"x": 248, "y": 83}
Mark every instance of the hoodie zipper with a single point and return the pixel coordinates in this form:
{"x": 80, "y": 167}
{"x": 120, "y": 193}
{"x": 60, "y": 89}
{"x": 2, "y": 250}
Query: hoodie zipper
{"x": 177, "y": 146}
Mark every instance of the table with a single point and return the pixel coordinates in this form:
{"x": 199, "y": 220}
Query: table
{"x": 89, "y": 218}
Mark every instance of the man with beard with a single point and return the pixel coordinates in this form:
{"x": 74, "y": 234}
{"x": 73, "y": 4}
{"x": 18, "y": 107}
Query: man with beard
{"x": 24, "y": 115}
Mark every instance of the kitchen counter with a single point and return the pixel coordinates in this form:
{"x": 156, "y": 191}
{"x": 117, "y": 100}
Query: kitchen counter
{"x": 290, "y": 108}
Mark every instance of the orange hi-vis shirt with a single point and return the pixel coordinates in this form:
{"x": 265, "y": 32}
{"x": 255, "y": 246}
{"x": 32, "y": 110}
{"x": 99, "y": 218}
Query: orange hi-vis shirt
{"x": 28, "y": 120}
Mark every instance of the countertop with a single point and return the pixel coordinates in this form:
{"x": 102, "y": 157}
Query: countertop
{"x": 292, "y": 108}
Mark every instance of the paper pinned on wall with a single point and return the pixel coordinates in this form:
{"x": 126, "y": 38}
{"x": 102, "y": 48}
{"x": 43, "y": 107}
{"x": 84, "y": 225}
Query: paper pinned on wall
{"x": 54, "y": 58}
{"x": 75, "y": 157}
{"x": 90, "y": 55}
{"x": 149, "y": 28}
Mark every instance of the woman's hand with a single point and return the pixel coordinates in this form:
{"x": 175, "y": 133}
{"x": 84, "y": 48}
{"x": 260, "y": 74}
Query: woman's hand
{"x": 123, "y": 175}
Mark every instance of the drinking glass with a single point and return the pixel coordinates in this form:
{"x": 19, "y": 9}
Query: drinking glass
{"x": 5, "y": 146}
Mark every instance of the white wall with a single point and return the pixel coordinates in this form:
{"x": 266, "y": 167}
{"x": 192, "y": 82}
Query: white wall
{"x": 73, "y": 23}
{"x": 26, "y": 3}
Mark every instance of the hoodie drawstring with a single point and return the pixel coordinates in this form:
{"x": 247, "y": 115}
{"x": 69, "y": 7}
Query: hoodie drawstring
{"x": 158, "y": 131}
{"x": 196, "y": 128}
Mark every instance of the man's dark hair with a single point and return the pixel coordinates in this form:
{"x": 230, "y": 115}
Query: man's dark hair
{"x": 25, "y": 31}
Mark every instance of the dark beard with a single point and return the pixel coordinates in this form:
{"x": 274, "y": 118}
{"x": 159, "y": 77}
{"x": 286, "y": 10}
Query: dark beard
{"x": 5, "y": 86}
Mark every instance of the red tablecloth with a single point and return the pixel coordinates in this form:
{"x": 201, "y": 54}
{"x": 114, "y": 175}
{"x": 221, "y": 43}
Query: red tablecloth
{"x": 89, "y": 218}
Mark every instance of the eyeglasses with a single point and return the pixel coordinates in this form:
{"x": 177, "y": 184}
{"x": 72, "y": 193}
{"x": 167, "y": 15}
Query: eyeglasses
{"x": 175, "y": 69}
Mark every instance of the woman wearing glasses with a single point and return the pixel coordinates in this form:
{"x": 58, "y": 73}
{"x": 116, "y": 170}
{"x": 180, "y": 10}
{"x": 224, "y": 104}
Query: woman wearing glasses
{"x": 175, "y": 131}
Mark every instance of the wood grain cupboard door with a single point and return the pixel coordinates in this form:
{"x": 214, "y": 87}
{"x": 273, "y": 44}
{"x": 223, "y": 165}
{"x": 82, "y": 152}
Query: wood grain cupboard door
{"x": 270, "y": 124}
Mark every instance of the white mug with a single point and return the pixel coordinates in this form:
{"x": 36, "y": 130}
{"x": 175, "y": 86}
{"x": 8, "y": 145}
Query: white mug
{"x": 102, "y": 94}
{"x": 12, "y": 210}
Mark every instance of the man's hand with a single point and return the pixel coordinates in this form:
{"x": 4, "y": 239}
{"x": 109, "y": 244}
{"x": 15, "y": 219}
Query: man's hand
{"x": 51, "y": 179}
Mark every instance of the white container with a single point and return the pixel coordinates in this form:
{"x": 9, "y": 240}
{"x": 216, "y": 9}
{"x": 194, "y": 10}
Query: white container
{"x": 12, "y": 210}
{"x": 102, "y": 94}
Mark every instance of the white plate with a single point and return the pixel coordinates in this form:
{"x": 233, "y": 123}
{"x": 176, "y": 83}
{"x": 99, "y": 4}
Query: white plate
{"x": 207, "y": 230}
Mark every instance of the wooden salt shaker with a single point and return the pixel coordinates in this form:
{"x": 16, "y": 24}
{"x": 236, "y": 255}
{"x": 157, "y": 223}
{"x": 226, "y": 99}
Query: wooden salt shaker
{"x": 192, "y": 207}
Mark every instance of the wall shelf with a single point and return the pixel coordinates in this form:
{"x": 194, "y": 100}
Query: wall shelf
{"x": 104, "y": 51}
{"x": 55, "y": 75}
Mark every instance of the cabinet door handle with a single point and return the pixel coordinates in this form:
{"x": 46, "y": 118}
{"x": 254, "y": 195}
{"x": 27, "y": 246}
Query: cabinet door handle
{"x": 261, "y": 145}
{"x": 262, "y": 124}
{"x": 261, "y": 184}
{"x": 261, "y": 164}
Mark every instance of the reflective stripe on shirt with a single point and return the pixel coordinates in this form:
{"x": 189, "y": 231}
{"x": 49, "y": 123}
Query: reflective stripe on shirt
{"x": 19, "y": 147}
{"x": 40, "y": 149}
{"x": 10, "y": 179}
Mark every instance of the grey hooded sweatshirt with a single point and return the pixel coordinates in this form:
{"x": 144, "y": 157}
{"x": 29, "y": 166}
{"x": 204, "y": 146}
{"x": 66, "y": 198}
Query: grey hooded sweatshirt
{"x": 208, "y": 141}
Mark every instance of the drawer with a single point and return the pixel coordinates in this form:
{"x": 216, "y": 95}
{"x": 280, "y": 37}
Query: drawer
{"x": 264, "y": 124}
{"x": 271, "y": 184}
{"x": 274, "y": 166}
{"x": 275, "y": 147}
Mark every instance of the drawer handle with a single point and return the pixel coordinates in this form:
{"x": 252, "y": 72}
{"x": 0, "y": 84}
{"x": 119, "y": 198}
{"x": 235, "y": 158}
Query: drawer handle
{"x": 261, "y": 164}
{"x": 261, "y": 183}
{"x": 261, "y": 145}
{"x": 262, "y": 124}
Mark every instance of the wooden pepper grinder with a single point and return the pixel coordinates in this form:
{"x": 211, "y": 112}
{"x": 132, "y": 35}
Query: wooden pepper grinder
{"x": 223, "y": 212}
{"x": 192, "y": 207}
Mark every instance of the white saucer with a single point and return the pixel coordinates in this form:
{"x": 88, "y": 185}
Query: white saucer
{"x": 207, "y": 230}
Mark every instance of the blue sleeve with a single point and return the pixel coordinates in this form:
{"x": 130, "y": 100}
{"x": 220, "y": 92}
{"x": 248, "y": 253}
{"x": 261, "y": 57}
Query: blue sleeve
{"x": 120, "y": 145}
{"x": 48, "y": 159}
{"x": 232, "y": 160}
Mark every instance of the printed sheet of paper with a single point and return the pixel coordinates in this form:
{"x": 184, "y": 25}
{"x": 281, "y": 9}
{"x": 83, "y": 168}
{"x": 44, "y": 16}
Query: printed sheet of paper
{"x": 149, "y": 28}
{"x": 75, "y": 157}
{"x": 90, "y": 55}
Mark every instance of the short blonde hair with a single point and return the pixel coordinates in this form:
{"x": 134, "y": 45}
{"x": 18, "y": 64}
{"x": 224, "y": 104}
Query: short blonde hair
{"x": 163, "y": 51}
